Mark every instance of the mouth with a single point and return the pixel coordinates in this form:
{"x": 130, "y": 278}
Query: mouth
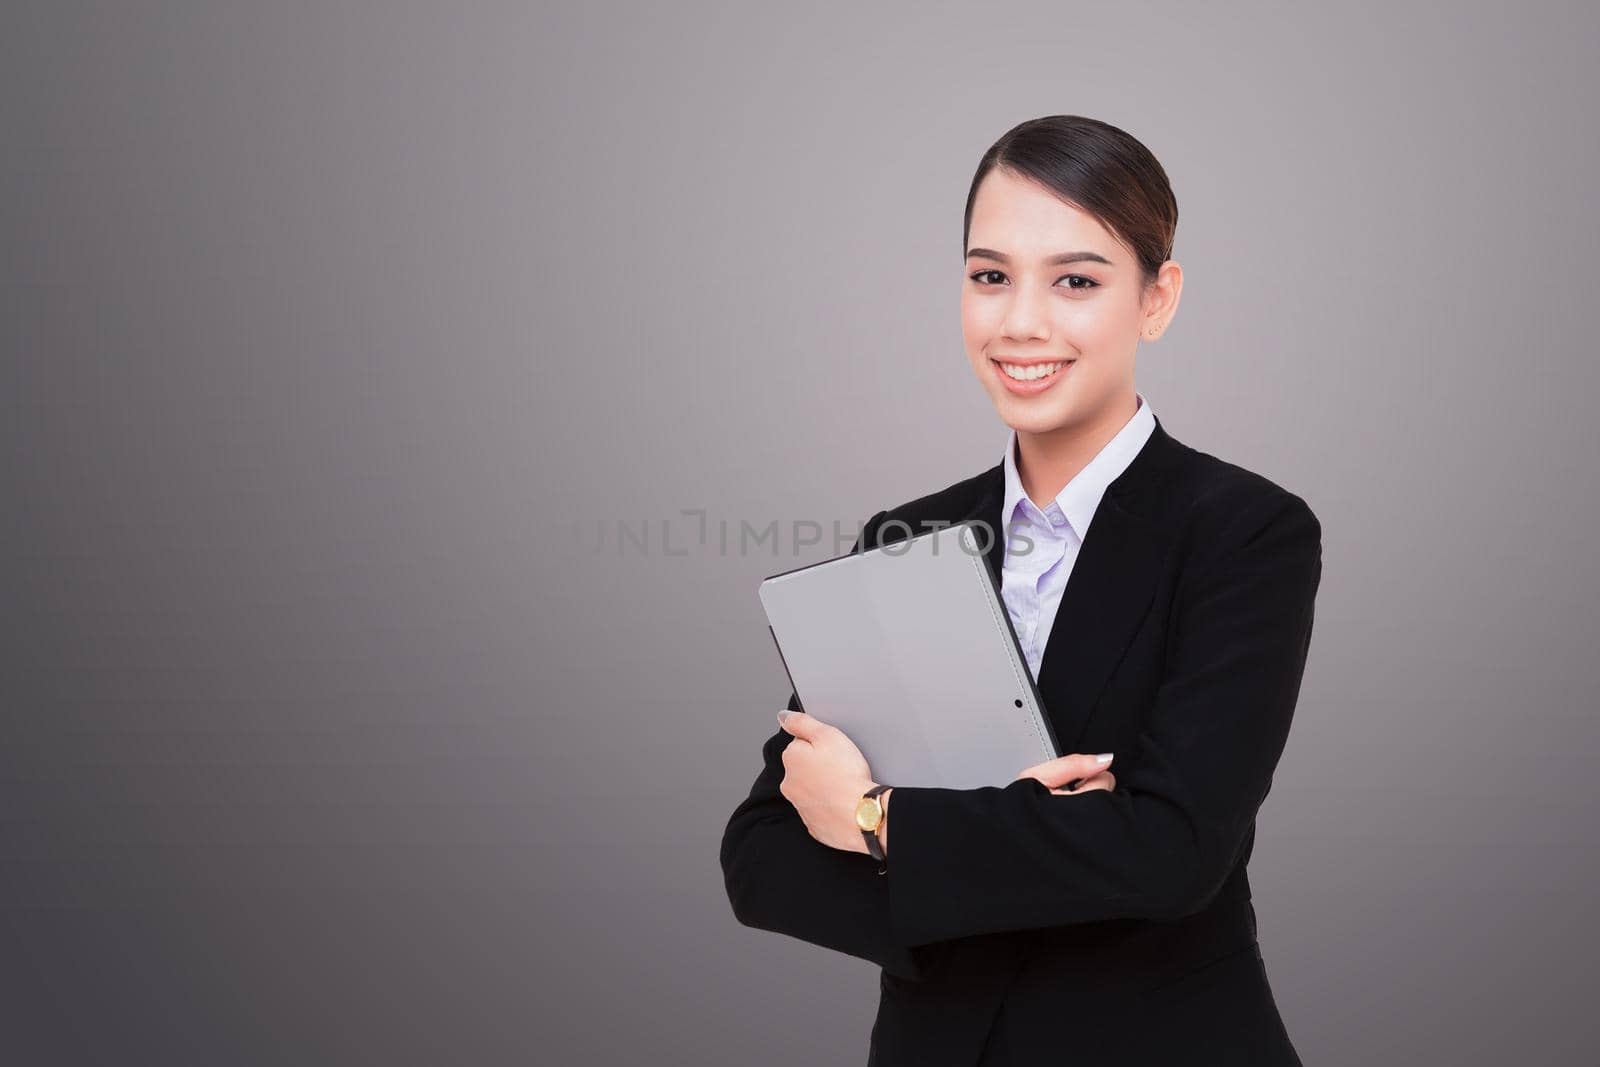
{"x": 1027, "y": 379}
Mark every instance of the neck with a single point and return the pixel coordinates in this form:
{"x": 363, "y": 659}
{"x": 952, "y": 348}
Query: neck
{"x": 1047, "y": 461}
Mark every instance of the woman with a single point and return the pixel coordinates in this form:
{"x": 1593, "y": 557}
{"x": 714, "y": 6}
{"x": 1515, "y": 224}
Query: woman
{"x": 1078, "y": 913}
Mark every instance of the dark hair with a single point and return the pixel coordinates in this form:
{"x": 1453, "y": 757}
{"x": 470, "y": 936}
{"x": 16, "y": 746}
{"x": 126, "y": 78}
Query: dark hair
{"x": 1099, "y": 169}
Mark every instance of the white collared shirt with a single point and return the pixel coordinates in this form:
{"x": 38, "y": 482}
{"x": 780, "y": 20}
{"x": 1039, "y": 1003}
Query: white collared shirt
{"x": 1033, "y": 579}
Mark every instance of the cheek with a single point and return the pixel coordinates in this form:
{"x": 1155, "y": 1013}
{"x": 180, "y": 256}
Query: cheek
{"x": 980, "y": 323}
{"x": 973, "y": 333}
{"x": 1101, "y": 325}
{"x": 1087, "y": 325}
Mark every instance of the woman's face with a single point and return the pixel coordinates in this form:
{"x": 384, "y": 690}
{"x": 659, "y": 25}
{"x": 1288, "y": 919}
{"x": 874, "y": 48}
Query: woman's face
{"x": 1046, "y": 283}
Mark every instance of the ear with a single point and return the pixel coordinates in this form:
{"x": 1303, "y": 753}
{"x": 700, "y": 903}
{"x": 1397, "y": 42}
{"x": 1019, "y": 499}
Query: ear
{"x": 1159, "y": 302}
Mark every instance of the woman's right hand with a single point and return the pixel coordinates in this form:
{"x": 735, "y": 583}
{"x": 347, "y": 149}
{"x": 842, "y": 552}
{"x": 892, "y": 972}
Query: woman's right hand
{"x": 1057, "y": 773}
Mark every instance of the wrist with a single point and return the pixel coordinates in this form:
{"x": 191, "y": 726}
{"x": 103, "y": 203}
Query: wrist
{"x": 869, "y": 815}
{"x": 883, "y": 824}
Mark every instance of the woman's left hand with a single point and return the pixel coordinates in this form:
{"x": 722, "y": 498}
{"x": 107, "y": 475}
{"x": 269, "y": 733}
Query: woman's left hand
{"x": 824, "y": 775}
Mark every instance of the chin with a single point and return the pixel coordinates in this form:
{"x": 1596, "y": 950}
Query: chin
{"x": 1031, "y": 418}
{"x": 1035, "y": 420}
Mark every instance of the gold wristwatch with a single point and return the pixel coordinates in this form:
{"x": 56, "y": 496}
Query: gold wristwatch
{"x": 869, "y": 816}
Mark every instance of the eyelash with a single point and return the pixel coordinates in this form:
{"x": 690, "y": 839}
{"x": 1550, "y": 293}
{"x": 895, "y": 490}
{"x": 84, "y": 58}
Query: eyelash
{"x": 1076, "y": 288}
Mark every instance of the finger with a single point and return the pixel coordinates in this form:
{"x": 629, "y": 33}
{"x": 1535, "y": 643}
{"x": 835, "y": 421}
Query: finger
{"x": 798, "y": 723}
{"x": 1082, "y": 784}
{"x": 1104, "y": 780}
{"x": 1064, "y": 769}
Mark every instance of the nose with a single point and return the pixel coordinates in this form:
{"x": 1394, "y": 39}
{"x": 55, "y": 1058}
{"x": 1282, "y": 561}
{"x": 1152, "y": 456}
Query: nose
{"x": 1027, "y": 316}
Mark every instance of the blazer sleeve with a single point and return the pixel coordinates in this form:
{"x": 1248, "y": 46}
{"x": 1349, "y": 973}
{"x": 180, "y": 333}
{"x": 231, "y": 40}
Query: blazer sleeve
{"x": 780, "y": 878}
{"x": 1160, "y": 845}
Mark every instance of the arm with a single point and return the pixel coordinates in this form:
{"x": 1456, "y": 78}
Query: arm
{"x": 780, "y": 878}
{"x": 984, "y": 860}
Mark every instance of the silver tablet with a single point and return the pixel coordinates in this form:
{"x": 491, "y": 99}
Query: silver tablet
{"x": 908, "y": 649}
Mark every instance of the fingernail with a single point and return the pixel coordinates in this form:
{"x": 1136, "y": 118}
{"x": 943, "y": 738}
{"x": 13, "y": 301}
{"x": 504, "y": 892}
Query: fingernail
{"x": 783, "y": 716}
{"x": 1104, "y": 757}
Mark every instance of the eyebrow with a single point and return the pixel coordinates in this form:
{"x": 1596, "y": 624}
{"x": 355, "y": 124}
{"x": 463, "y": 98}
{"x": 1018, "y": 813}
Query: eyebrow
{"x": 1059, "y": 259}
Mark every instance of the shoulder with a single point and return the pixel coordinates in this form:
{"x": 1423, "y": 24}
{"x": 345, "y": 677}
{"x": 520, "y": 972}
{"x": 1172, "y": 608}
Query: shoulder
{"x": 926, "y": 512}
{"x": 1216, "y": 488}
{"x": 1223, "y": 507}
{"x": 1203, "y": 499}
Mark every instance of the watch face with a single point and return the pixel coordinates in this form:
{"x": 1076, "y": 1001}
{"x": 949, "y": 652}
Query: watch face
{"x": 868, "y": 812}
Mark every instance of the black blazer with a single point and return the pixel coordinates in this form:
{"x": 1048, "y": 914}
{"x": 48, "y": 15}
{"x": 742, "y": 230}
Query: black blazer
{"x": 1016, "y": 925}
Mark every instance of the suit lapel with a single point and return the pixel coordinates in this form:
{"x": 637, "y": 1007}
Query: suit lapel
{"x": 1111, "y": 586}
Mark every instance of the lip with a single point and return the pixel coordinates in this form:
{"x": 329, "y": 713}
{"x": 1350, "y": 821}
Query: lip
{"x": 1030, "y": 388}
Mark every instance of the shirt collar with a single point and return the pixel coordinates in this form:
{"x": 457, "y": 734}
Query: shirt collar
{"x": 1080, "y": 497}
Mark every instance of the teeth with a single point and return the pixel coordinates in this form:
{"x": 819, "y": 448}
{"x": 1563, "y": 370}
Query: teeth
{"x": 1034, "y": 373}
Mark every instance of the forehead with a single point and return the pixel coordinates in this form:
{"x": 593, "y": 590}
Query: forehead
{"x": 1020, "y": 217}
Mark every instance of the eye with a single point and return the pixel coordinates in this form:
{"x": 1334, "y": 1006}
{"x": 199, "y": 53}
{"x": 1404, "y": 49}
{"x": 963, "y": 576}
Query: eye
{"x": 1072, "y": 279}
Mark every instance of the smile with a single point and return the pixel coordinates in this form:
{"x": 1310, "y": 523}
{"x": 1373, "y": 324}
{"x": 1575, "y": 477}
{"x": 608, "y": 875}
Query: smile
{"x": 1030, "y": 378}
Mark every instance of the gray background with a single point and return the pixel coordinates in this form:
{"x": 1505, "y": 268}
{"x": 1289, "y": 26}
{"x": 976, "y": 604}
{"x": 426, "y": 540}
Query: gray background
{"x": 336, "y": 335}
